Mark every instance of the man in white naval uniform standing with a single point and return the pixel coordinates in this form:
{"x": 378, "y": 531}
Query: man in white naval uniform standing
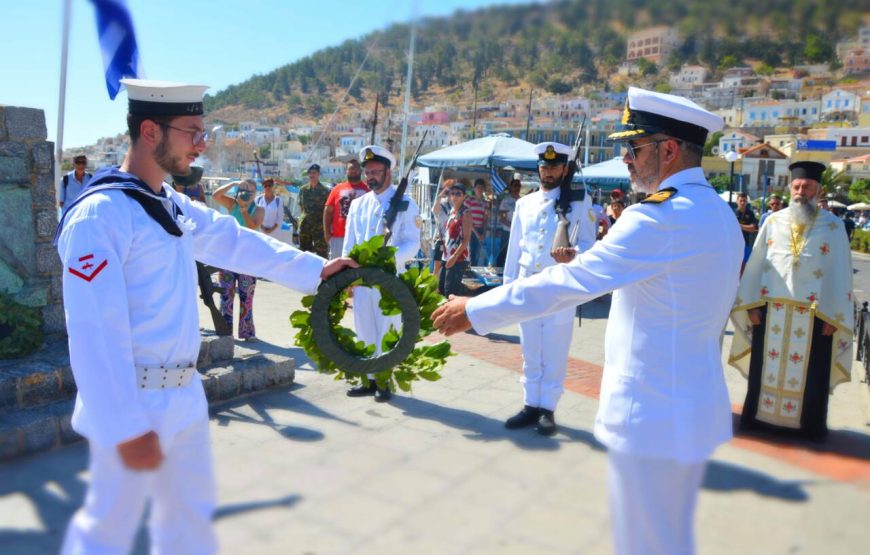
{"x": 129, "y": 245}
{"x": 672, "y": 262}
{"x": 365, "y": 219}
{"x": 545, "y": 340}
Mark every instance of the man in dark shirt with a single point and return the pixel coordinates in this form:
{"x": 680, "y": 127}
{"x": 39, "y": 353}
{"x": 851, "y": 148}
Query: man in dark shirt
{"x": 748, "y": 225}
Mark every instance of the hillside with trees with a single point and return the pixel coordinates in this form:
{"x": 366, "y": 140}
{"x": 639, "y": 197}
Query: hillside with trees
{"x": 559, "y": 46}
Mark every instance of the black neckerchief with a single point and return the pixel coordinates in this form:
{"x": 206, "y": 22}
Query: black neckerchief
{"x": 111, "y": 179}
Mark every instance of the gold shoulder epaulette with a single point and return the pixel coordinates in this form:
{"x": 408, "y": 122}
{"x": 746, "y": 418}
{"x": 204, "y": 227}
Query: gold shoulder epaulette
{"x": 660, "y": 196}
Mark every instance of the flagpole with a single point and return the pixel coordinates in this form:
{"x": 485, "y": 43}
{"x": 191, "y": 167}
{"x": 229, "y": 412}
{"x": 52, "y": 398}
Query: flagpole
{"x": 61, "y": 101}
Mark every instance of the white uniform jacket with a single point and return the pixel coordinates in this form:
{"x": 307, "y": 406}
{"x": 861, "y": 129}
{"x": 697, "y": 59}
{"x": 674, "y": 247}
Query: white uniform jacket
{"x": 533, "y": 227}
{"x": 130, "y": 295}
{"x": 674, "y": 267}
{"x": 365, "y": 219}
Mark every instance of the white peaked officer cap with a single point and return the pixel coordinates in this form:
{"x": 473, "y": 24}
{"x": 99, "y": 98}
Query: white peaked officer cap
{"x": 552, "y": 154}
{"x": 377, "y": 154}
{"x": 164, "y": 98}
{"x": 649, "y": 112}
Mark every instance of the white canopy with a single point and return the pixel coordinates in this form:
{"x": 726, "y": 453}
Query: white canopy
{"x": 859, "y": 206}
{"x": 492, "y": 151}
{"x": 609, "y": 172}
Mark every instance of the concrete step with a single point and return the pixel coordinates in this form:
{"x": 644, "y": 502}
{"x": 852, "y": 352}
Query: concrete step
{"x": 45, "y": 377}
{"x": 32, "y": 429}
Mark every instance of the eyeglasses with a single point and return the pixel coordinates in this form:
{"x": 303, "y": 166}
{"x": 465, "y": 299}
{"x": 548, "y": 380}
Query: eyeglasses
{"x": 631, "y": 149}
{"x": 197, "y": 136}
{"x": 266, "y": 185}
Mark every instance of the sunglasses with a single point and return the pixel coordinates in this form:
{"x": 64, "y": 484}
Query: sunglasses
{"x": 631, "y": 149}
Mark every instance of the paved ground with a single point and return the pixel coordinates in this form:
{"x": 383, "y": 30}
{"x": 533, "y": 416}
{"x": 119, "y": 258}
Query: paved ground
{"x": 307, "y": 470}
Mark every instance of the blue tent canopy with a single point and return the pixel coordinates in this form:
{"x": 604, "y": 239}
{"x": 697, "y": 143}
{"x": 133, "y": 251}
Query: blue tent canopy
{"x": 608, "y": 175}
{"x": 492, "y": 151}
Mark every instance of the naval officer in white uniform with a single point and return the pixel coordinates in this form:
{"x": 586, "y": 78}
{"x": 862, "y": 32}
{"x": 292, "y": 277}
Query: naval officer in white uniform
{"x": 365, "y": 219}
{"x": 545, "y": 340}
{"x": 128, "y": 246}
{"x": 672, "y": 263}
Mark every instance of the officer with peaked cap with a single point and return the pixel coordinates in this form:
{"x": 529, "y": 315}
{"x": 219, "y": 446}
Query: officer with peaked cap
{"x": 128, "y": 245}
{"x": 545, "y": 340}
{"x": 365, "y": 219}
{"x": 672, "y": 262}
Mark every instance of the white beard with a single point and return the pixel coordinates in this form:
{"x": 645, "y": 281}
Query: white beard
{"x": 802, "y": 213}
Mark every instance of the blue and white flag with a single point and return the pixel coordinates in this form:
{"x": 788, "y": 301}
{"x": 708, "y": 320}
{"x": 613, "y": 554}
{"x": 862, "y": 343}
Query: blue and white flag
{"x": 498, "y": 184}
{"x": 117, "y": 43}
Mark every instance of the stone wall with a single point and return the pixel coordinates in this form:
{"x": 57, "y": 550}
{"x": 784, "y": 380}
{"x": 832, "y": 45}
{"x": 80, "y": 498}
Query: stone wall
{"x": 29, "y": 265}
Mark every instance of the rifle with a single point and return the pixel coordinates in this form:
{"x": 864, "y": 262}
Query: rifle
{"x": 568, "y": 193}
{"x": 396, "y": 204}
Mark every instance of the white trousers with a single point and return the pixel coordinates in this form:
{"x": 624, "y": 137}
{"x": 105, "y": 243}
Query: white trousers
{"x": 652, "y": 504}
{"x": 545, "y": 343}
{"x": 336, "y": 244}
{"x": 181, "y": 491}
{"x": 369, "y": 322}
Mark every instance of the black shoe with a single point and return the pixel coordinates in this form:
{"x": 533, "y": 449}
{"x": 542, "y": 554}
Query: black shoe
{"x": 382, "y": 395}
{"x": 526, "y": 417}
{"x": 547, "y": 423}
{"x": 362, "y": 390}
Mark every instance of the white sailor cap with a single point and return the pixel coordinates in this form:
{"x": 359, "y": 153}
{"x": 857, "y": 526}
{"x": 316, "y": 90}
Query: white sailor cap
{"x": 164, "y": 98}
{"x": 378, "y": 154}
{"x": 552, "y": 154}
{"x": 649, "y": 112}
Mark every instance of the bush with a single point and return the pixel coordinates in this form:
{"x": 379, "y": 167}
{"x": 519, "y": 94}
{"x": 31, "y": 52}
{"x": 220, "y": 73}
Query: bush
{"x": 861, "y": 240}
{"x": 20, "y": 328}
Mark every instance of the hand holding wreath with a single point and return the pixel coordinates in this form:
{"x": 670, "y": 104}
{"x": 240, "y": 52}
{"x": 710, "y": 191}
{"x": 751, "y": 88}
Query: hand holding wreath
{"x": 335, "y": 350}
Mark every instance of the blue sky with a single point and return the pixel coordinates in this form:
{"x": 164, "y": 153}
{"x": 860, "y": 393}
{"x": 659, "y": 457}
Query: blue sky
{"x": 213, "y": 42}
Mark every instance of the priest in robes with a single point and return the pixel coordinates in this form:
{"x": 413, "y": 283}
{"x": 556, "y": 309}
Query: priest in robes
{"x": 793, "y": 314}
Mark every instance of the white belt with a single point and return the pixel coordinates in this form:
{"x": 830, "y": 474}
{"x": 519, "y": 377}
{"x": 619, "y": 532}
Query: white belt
{"x": 162, "y": 377}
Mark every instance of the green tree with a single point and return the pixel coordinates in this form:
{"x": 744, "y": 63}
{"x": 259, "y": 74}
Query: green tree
{"x": 265, "y": 151}
{"x": 728, "y": 61}
{"x": 818, "y": 49}
{"x": 831, "y": 179}
{"x": 712, "y": 141}
{"x": 859, "y": 191}
{"x": 720, "y": 182}
{"x": 558, "y": 86}
{"x": 646, "y": 67}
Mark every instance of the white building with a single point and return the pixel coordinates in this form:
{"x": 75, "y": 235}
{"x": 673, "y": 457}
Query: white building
{"x": 838, "y": 105}
{"x": 733, "y": 140}
{"x": 688, "y": 77}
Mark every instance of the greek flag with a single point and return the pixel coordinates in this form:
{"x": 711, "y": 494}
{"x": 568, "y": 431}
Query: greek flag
{"x": 498, "y": 184}
{"x": 117, "y": 43}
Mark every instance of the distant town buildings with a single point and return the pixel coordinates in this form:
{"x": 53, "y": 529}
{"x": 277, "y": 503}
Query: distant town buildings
{"x": 654, "y": 44}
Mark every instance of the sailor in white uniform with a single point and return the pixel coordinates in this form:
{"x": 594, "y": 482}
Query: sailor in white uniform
{"x": 672, "y": 262}
{"x": 128, "y": 246}
{"x": 365, "y": 219}
{"x": 545, "y": 340}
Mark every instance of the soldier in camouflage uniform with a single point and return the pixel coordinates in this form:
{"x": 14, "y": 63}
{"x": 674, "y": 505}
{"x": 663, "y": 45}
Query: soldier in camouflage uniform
{"x": 312, "y": 198}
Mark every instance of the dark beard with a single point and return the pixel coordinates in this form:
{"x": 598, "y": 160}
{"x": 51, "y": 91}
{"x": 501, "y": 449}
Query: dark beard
{"x": 551, "y": 186}
{"x": 172, "y": 166}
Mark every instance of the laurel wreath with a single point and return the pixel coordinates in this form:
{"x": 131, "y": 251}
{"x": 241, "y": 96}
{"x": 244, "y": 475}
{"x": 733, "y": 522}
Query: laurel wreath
{"x": 349, "y": 359}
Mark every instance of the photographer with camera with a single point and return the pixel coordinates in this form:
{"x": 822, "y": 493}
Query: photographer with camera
{"x": 242, "y": 207}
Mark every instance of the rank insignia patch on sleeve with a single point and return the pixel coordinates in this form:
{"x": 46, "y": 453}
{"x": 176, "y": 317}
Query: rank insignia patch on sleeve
{"x": 88, "y": 267}
{"x": 660, "y": 196}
